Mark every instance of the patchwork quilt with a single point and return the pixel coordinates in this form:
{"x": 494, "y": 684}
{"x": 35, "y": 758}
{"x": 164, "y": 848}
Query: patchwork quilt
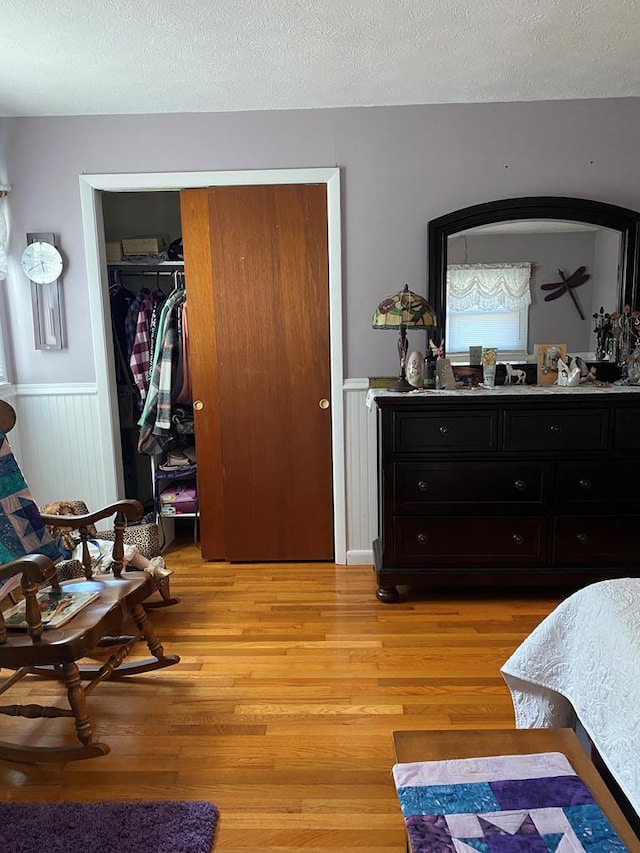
{"x": 503, "y": 804}
{"x": 22, "y": 530}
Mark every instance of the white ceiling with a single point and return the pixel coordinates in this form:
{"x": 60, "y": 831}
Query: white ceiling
{"x": 74, "y": 57}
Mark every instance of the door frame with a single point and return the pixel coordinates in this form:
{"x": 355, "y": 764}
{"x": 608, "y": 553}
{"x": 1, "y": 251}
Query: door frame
{"x": 91, "y": 188}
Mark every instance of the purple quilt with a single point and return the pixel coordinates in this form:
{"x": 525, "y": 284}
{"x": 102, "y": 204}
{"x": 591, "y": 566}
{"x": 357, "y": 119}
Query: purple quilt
{"x": 503, "y": 804}
{"x": 22, "y": 530}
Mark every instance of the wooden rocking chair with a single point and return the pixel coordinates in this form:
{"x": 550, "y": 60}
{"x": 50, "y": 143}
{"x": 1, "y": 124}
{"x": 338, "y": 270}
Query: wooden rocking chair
{"x": 55, "y": 653}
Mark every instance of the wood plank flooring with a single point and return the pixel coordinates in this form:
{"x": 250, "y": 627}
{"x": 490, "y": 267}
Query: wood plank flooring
{"x": 291, "y": 681}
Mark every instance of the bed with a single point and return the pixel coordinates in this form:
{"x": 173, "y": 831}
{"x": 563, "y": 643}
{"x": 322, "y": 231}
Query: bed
{"x": 581, "y": 668}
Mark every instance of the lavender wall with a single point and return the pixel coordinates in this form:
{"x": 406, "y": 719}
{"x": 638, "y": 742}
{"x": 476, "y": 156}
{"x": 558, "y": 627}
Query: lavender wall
{"x": 402, "y": 166}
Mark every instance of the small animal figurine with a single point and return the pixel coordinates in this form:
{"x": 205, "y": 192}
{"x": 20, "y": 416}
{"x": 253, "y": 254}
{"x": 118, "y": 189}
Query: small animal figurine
{"x": 519, "y": 375}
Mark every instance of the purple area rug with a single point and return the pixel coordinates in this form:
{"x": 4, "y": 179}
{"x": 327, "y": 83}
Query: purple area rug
{"x": 129, "y": 827}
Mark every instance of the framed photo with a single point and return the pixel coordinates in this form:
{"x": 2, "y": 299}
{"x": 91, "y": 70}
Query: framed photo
{"x": 547, "y": 356}
{"x": 468, "y": 377}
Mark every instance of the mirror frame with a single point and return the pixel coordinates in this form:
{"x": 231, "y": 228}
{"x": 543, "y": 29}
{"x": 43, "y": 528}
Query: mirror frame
{"x": 621, "y": 219}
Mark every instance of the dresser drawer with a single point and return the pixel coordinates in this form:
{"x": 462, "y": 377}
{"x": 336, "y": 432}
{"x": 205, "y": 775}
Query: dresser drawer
{"x": 626, "y": 430}
{"x": 471, "y": 486}
{"x": 551, "y": 430}
{"x": 598, "y": 540}
{"x": 435, "y": 432}
{"x": 469, "y": 542}
{"x": 585, "y": 484}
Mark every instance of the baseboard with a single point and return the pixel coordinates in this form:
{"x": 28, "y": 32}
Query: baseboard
{"x": 360, "y": 558}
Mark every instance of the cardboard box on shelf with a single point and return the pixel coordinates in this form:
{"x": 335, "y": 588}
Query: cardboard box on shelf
{"x": 145, "y": 245}
{"x": 178, "y": 500}
{"x": 114, "y": 252}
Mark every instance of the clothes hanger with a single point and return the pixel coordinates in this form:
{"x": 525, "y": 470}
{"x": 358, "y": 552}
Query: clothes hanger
{"x": 114, "y": 281}
{"x": 178, "y": 281}
{"x": 159, "y": 290}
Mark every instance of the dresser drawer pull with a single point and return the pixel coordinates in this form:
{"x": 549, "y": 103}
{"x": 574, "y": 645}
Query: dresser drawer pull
{"x": 422, "y": 538}
{"x": 518, "y": 538}
{"x": 423, "y": 486}
{"x": 585, "y": 484}
{"x": 556, "y": 428}
{"x": 583, "y": 538}
{"x": 520, "y": 485}
{"x": 444, "y": 430}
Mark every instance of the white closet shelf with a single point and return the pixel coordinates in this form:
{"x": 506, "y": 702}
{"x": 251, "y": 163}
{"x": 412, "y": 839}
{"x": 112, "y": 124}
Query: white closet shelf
{"x": 142, "y": 266}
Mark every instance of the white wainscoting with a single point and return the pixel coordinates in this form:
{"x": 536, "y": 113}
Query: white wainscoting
{"x": 8, "y": 393}
{"x": 360, "y": 474}
{"x": 59, "y": 442}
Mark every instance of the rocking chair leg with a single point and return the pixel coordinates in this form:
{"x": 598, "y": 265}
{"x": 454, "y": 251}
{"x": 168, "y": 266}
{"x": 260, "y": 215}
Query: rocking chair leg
{"x": 166, "y": 599}
{"x": 144, "y": 624}
{"x": 78, "y": 702}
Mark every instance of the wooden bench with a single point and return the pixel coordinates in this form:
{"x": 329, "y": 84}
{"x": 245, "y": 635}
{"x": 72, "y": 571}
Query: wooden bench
{"x": 411, "y": 746}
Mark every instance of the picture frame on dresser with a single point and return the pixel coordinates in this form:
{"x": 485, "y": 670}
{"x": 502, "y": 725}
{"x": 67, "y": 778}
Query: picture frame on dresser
{"x": 467, "y": 376}
{"x": 547, "y": 357}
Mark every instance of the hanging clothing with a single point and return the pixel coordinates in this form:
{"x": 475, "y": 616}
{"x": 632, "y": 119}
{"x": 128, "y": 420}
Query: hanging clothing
{"x": 185, "y": 394}
{"x": 155, "y": 421}
{"x": 178, "y": 362}
{"x": 131, "y": 319}
{"x": 120, "y": 299}
{"x": 140, "y": 361}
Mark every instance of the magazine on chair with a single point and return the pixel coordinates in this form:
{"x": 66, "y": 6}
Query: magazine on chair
{"x": 55, "y": 608}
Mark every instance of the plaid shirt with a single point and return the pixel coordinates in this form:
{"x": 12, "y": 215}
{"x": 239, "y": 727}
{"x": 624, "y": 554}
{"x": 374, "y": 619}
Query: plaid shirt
{"x": 131, "y": 319}
{"x": 155, "y": 421}
{"x": 140, "y": 361}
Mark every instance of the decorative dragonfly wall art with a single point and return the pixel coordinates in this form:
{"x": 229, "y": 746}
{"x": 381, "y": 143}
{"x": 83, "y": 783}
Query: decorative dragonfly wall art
{"x": 566, "y": 285}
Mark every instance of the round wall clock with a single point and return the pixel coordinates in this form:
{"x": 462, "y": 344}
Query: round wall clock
{"x": 42, "y": 262}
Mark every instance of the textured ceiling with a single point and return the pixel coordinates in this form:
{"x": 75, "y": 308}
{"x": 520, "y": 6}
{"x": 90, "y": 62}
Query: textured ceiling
{"x": 73, "y": 57}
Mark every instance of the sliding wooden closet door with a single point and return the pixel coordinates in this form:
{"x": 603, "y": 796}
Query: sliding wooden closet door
{"x": 258, "y": 311}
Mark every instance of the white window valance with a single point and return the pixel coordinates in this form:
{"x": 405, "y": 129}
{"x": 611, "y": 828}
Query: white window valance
{"x": 488, "y": 287}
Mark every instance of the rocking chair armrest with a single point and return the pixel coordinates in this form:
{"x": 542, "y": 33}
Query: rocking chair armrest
{"x": 37, "y": 568}
{"x": 131, "y": 509}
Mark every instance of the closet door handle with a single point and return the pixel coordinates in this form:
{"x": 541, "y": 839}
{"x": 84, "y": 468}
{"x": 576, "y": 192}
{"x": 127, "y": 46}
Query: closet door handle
{"x": 198, "y": 405}
{"x": 324, "y": 404}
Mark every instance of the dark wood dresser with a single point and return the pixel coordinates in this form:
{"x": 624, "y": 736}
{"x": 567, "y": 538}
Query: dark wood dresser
{"x": 507, "y": 487}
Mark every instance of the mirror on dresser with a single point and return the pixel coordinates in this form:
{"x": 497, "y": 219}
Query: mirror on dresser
{"x": 552, "y": 234}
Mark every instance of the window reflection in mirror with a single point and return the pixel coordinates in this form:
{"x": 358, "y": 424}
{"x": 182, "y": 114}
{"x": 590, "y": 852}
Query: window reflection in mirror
{"x": 549, "y": 246}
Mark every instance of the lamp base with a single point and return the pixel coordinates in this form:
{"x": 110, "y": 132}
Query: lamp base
{"x": 401, "y": 386}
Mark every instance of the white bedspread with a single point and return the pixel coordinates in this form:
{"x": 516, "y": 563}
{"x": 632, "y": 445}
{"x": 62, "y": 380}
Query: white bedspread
{"x": 586, "y": 656}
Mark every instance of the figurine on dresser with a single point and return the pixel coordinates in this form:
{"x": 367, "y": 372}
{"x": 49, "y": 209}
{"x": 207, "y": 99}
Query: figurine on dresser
{"x": 512, "y": 373}
{"x": 568, "y": 377}
{"x": 414, "y": 370}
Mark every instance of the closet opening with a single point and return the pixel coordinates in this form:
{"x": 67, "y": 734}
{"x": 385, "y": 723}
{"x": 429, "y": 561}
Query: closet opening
{"x": 146, "y": 280}
{"x": 100, "y": 194}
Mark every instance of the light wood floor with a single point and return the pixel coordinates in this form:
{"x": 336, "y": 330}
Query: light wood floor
{"x": 281, "y": 711}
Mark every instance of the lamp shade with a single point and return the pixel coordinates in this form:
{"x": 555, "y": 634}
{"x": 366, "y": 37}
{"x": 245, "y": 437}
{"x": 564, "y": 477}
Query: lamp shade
{"x": 404, "y": 308}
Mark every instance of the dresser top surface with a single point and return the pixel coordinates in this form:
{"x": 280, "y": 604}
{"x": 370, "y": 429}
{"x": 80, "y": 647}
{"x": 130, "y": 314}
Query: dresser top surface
{"x": 505, "y": 392}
